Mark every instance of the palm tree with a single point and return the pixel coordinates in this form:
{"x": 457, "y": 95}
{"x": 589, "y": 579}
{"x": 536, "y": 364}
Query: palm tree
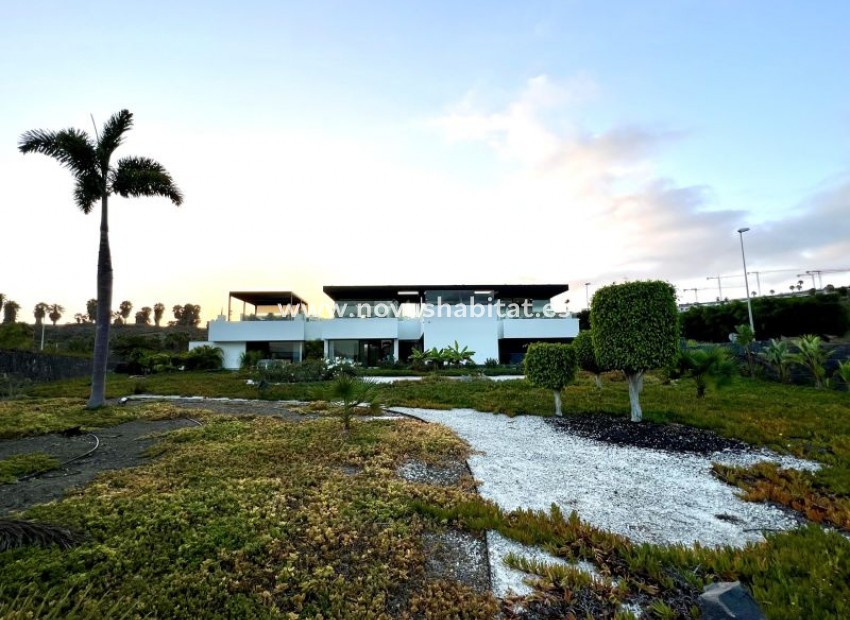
{"x": 89, "y": 162}
{"x": 143, "y": 316}
{"x": 10, "y": 311}
{"x": 158, "y": 311}
{"x": 124, "y": 309}
{"x": 39, "y": 312}
{"x": 55, "y": 312}
{"x": 91, "y": 310}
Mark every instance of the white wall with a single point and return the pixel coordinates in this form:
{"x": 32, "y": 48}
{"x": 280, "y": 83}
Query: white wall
{"x": 410, "y": 329}
{"x": 232, "y": 351}
{"x": 242, "y": 331}
{"x": 540, "y": 328}
{"x": 479, "y": 334}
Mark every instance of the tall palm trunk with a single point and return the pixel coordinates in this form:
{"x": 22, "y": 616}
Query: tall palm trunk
{"x": 104, "y": 312}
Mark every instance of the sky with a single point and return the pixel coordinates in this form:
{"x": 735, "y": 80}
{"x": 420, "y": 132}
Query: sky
{"x": 369, "y": 142}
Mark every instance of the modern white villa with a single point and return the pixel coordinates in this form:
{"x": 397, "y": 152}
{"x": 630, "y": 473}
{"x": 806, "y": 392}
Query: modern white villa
{"x": 368, "y": 324}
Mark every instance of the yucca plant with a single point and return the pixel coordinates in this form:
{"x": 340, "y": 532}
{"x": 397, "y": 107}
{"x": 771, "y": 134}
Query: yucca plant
{"x": 351, "y": 392}
{"x": 813, "y": 356}
{"x": 706, "y": 366}
{"x": 779, "y": 357}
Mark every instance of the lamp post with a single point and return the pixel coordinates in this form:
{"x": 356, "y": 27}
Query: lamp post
{"x": 741, "y": 232}
{"x": 587, "y": 295}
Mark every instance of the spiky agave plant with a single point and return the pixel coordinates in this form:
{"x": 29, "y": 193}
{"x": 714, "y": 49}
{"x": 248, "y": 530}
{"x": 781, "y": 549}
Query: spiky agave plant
{"x": 96, "y": 179}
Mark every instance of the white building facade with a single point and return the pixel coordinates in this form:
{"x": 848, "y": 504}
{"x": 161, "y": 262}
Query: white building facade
{"x": 375, "y": 324}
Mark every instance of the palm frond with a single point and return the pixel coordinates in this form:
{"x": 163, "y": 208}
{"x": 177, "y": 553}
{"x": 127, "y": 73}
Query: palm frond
{"x": 88, "y": 191}
{"x": 112, "y": 134}
{"x": 15, "y": 533}
{"x": 142, "y": 176}
{"x": 73, "y": 148}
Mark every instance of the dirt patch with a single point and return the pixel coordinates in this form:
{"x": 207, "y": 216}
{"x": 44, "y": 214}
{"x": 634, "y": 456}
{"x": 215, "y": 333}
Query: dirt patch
{"x": 446, "y": 474}
{"x": 670, "y": 437}
{"x": 458, "y": 556}
{"x": 119, "y": 446}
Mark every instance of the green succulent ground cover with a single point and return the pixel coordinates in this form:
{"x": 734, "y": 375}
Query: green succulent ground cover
{"x": 13, "y": 467}
{"x": 250, "y": 518}
{"x": 208, "y": 483}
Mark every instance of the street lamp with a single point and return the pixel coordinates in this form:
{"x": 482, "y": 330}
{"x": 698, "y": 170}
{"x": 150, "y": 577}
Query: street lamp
{"x": 587, "y": 295}
{"x": 741, "y": 232}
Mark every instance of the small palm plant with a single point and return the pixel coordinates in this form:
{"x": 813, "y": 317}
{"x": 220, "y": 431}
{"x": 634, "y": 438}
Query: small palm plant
{"x": 745, "y": 338}
{"x": 779, "y": 357}
{"x": 843, "y": 372}
{"x": 813, "y": 356}
{"x": 706, "y": 366}
{"x": 351, "y": 392}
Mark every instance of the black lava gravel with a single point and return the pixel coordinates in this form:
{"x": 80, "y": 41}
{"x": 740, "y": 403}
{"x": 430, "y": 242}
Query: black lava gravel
{"x": 670, "y": 437}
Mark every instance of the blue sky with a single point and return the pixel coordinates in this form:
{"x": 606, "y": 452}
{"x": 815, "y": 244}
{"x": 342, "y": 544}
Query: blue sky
{"x": 369, "y": 142}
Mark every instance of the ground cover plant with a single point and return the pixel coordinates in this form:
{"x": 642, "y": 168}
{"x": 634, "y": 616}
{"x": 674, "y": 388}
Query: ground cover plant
{"x": 27, "y": 417}
{"x": 806, "y": 570}
{"x": 14, "y": 467}
{"x": 251, "y": 518}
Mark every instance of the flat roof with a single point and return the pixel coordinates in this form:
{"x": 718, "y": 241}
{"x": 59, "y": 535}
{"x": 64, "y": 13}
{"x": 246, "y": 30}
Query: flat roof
{"x": 267, "y": 298}
{"x": 413, "y": 292}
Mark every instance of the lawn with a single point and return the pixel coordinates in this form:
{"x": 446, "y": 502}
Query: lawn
{"x": 257, "y": 517}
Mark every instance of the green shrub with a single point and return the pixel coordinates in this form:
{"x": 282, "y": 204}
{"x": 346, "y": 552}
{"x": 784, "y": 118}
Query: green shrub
{"x": 635, "y": 328}
{"x": 775, "y": 317}
{"x": 551, "y": 366}
{"x": 586, "y": 356}
{"x": 205, "y": 357}
{"x": 248, "y": 360}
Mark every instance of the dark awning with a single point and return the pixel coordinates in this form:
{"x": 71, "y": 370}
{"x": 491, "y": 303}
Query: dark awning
{"x": 413, "y": 292}
{"x": 267, "y": 298}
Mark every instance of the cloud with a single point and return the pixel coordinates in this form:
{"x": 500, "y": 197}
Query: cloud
{"x": 621, "y": 216}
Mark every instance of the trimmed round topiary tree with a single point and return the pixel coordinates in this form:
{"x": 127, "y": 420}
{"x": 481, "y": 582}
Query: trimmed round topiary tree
{"x": 586, "y": 356}
{"x": 635, "y": 328}
{"x": 551, "y": 366}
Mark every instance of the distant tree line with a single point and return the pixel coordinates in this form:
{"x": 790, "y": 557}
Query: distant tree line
{"x": 774, "y": 317}
{"x": 187, "y": 315}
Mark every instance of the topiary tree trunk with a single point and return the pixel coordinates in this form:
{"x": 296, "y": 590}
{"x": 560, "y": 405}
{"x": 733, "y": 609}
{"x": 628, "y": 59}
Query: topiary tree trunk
{"x": 635, "y": 381}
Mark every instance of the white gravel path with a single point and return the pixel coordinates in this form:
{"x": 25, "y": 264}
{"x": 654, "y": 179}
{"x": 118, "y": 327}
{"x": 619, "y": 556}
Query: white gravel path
{"x": 648, "y": 495}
